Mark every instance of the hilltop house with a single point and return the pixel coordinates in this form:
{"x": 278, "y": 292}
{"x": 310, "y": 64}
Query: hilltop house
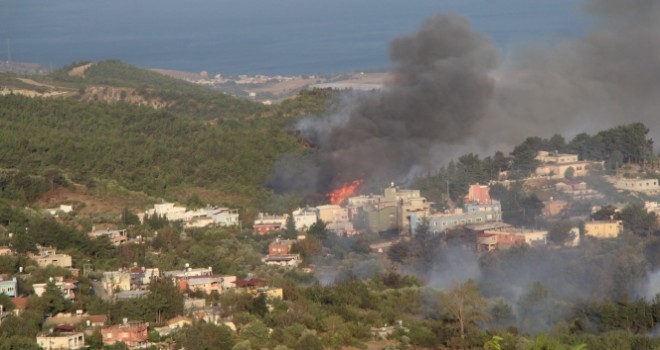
{"x": 555, "y": 164}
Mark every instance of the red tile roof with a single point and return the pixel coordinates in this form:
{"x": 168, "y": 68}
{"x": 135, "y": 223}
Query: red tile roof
{"x": 20, "y": 303}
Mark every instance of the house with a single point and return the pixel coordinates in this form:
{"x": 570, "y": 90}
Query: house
{"x": 4, "y": 250}
{"x": 332, "y": 213}
{"x": 304, "y": 218}
{"x": 62, "y": 337}
{"x": 68, "y": 287}
{"x": 187, "y": 272}
{"x": 63, "y": 208}
{"x": 116, "y": 281}
{"x": 471, "y": 213}
{"x": 251, "y": 285}
{"x": 498, "y": 239}
{"x": 173, "y": 325}
{"x": 603, "y": 228}
{"x": 133, "y": 334}
{"x": 194, "y": 218}
{"x": 116, "y": 237}
{"x": 49, "y": 256}
{"x": 265, "y": 224}
{"x": 20, "y": 305}
{"x": 289, "y": 260}
{"x": 96, "y": 321}
{"x": 223, "y": 216}
{"x": 280, "y": 246}
{"x": 8, "y": 286}
{"x": 569, "y": 186}
{"x": 555, "y": 164}
{"x": 478, "y": 194}
{"x": 207, "y": 284}
{"x": 636, "y": 184}
{"x": 141, "y": 277}
{"x": 130, "y": 294}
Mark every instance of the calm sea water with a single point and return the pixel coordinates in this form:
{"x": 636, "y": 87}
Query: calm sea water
{"x": 257, "y": 36}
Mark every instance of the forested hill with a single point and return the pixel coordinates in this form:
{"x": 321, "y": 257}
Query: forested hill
{"x": 115, "y": 81}
{"x": 142, "y": 148}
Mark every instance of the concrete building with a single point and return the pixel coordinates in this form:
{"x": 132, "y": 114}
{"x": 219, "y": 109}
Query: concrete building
{"x": 469, "y": 214}
{"x": 207, "y": 284}
{"x": 280, "y": 246}
{"x": 134, "y": 334}
{"x": 603, "y": 228}
{"x": 304, "y": 218}
{"x": 194, "y": 218}
{"x": 8, "y": 286}
{"x": 636, "y": 185}
{"x": 61, "y": 339}
{"x": 223, "y": 216}
{"x": 491, "y": 240}
{"x": 68, "y": 287}
{"x": 555, "y": 165}
{"x": 116, "y": 281}
{"x": 478, "y": 194}
{"x": 289, "y": 260}
{"x": 332, "y": 213}
{"x": 266, "y": 224}
{"x": 49, "y": 256}
{"x": 116, "y": 237}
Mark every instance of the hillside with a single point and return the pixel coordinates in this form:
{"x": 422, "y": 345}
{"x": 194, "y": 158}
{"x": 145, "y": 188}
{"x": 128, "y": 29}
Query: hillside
{"x": 141, "y": 148}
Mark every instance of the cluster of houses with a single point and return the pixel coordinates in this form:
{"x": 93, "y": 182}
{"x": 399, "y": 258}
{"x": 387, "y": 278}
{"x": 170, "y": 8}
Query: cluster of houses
{"x": 376, "y": 213}
{"x": 209, "y": 216}
{"x": 68, "y": 331}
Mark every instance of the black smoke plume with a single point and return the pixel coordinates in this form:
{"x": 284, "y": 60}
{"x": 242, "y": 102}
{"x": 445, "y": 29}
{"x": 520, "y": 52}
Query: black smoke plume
{"x": 450, "y": 95}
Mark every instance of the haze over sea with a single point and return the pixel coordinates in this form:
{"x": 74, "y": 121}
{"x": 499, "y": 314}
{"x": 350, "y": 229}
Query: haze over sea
{"x": 257, "y": 36}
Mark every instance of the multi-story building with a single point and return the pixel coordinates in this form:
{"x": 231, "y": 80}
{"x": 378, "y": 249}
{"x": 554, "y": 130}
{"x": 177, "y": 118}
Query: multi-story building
{"x": 208, "y": 284}
{"x": 636, "y": 185}
{"x": 48, "y": 256}
{"x": 266, "y": 224}
{"x": 555, "y": 164}
{"x": 61, "y": 338}
{"x": 280, "y": 246}
{"x": 603, "y": 228}
{"x": 469, "y": 214}
{"x": 304, "y": 218}
{"x": 491, "y": 240}
{"x": 8, "y": 286}
{"x": 68, "y": 287}
{"x": 133, "y": 334}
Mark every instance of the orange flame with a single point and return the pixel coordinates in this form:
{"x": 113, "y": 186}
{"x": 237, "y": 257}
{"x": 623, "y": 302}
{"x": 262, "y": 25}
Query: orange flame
{"x": 340, "y": 194}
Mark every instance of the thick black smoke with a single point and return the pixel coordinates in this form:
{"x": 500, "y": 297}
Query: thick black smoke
{"x": 449, "y": 96}
{"x": 441, "y": 88}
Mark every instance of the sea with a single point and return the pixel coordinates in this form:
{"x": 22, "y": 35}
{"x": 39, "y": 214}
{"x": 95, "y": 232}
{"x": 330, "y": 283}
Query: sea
{"x": 271, "y": 37}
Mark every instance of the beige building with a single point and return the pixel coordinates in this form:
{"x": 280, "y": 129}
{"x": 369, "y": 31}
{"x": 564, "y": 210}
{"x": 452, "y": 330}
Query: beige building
{"x": 603, "y": 229}
{"x": 62, "y": 340}
{"x": 636, "y": 185}
{"x": 555, "y": 165}
{"x": 332, "y": 213}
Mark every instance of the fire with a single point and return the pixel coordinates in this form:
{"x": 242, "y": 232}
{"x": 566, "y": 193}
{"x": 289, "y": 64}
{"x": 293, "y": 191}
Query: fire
{"x": 340, "y": 194}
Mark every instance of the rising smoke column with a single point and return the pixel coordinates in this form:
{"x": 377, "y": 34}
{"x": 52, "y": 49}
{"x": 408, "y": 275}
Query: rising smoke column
{"x": 441, "y": 88}
{"x": 450, "y": 97}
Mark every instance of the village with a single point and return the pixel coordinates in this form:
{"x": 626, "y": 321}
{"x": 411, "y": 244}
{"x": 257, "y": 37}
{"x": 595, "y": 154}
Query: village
{"x": 404, "y": 212}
